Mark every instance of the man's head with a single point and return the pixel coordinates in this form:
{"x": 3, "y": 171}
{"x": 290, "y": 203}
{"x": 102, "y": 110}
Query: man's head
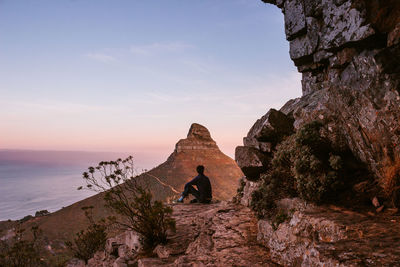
{"x": 200, "y": 169}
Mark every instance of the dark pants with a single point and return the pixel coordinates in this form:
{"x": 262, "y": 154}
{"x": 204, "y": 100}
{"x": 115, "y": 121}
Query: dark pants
{"x": 191, "y": 190}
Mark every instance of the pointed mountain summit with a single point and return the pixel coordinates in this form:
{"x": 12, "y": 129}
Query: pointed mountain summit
{"x": 200, "y": 149}
{"x": 198, "y": 138}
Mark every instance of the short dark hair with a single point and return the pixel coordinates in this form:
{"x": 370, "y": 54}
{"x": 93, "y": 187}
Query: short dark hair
{"x": 200, "y": 169}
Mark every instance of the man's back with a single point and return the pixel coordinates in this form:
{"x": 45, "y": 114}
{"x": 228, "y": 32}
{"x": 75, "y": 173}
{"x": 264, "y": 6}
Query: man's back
{"x": 203, "y": 193}
{"x": 204, "y": 186}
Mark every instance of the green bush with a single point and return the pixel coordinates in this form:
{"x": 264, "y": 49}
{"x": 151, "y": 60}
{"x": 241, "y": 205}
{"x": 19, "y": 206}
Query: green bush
{"x": 19, "y": 251}
{"x": 317, "y": 171}
{"x": 88, "y": 241}
{"x": 131, "y": 201}
{"x": 303, "y": 164}
{"x": 276, "y": 184}
{"x": 309, "y": 136}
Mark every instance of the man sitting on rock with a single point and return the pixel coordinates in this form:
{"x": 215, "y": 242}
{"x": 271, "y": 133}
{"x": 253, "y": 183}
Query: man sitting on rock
{"x": 203, "y": 193}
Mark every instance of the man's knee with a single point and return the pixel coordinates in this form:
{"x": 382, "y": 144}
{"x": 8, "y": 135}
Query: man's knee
{"x": 189, "y": 188}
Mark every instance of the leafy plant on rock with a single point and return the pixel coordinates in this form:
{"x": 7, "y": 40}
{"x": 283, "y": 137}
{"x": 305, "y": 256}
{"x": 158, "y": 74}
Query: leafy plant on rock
{"x": 276, "y": 184}
{"x": 303, "y": 164}
{"x": 317, "y": 171}
{"x": 131, "y": 201}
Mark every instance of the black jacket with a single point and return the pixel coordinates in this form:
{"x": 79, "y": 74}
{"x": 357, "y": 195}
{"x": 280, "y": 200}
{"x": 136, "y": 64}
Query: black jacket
{"x": 203, "y": 186}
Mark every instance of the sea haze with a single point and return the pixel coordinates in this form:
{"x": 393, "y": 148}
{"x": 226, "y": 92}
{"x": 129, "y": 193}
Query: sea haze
{"x": 43, "y": 180}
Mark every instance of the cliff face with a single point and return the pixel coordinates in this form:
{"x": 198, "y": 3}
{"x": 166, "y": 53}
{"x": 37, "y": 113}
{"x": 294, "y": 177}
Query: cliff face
{"x": 348, "y": 52}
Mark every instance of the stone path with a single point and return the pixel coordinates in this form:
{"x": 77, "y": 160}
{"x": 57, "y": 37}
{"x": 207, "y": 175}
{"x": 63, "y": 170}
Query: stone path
{"x": 221, "y": 234}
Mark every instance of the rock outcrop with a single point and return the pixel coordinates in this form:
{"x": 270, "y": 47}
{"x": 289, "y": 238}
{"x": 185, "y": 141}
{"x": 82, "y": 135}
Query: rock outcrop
{"x": 348, "y": 52}
{"x": 198, "y": 138}
{"x": 254, "y": 157}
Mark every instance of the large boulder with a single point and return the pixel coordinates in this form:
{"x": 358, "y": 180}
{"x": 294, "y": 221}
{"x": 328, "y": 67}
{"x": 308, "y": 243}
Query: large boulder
{"x": 255, "y": 156}
{"x": 252, "y": 161}
{"x": 271, "y": 127}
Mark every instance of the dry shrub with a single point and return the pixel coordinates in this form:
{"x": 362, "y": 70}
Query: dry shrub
{"x": 19, "y": 251}
{"x": 131, "y": 201}
{"x": 87, "y": 242}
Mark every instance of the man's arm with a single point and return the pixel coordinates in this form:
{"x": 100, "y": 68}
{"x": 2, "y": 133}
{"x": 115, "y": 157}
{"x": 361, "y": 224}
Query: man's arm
{"x": 194, "y": 181}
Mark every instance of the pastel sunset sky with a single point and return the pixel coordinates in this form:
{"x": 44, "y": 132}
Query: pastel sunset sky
{"x": 132, "y": 75}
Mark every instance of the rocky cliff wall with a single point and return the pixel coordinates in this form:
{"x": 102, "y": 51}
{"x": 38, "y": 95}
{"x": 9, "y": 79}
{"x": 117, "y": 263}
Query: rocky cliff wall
{"x": 348, "y": 52}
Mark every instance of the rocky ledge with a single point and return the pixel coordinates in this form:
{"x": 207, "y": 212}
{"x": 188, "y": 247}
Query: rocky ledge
{"x": 219, "y": 234}
{"x": 331, "y": 236}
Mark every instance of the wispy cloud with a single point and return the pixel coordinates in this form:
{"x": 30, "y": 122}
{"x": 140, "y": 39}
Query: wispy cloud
{"x": 101, "y": 57}
{"x": 155, "y": 48}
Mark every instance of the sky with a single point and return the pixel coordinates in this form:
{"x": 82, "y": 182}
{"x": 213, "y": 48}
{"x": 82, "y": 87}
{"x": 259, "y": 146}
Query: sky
{"x": 132, "y": 75}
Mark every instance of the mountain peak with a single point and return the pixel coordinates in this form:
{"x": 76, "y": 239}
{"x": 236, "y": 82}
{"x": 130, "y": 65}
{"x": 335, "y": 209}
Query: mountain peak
{"x": 198, "y": 131}
{"x": 198, "y": 138}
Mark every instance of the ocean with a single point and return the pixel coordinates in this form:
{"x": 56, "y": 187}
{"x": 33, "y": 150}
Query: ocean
{"x": 28, "y": 187}
{"x": 31, "y": 181}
